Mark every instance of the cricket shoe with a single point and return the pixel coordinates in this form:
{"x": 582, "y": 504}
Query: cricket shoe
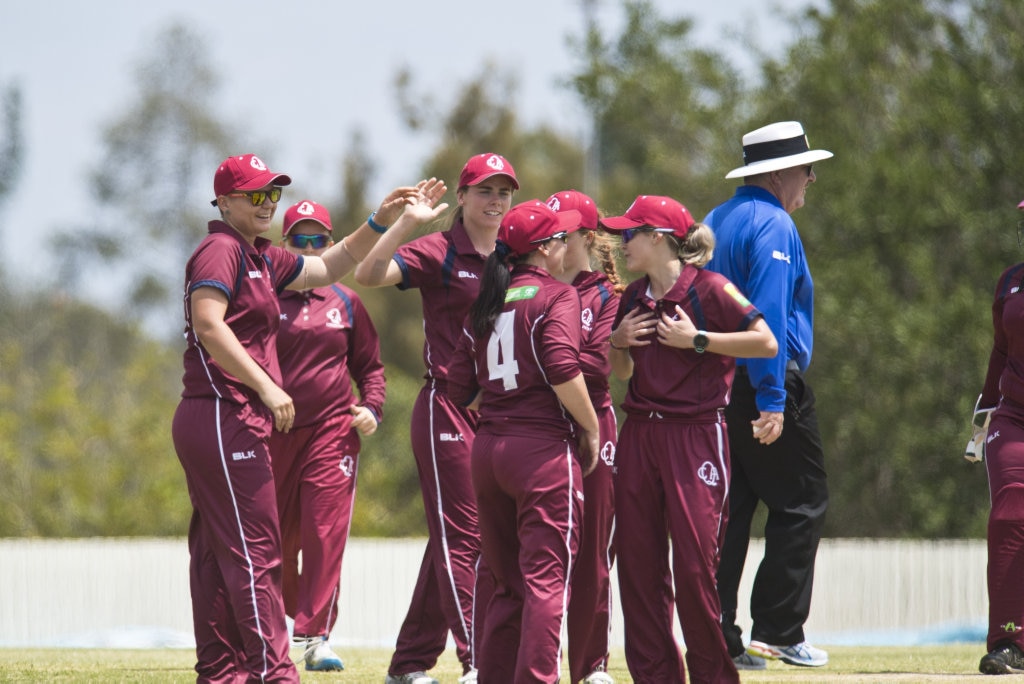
{"x": 745, "y": 661}
{"x": 1005, "y": 659}
{"x": 802, "y": 654}
{"x": 469, "y": 677}
{"x": 319, "y": 657}
{"x": 598, "y": 677}
{"x": 410, "y": 678}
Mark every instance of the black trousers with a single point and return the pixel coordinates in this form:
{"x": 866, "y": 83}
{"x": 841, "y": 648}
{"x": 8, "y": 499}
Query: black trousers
{"x": 789, "y": 477}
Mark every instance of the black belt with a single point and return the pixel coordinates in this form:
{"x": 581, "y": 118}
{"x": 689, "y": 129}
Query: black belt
{"x": 791, "y": 365}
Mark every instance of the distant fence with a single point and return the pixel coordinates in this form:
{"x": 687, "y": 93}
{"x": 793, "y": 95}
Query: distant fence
{"x": 134, "y": 592}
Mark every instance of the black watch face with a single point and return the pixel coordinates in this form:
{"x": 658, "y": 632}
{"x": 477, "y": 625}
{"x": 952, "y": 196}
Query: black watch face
{"x": 700, "y": 342}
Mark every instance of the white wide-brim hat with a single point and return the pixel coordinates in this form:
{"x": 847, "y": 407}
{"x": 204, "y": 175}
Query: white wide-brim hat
{"x": 775, "y": 147}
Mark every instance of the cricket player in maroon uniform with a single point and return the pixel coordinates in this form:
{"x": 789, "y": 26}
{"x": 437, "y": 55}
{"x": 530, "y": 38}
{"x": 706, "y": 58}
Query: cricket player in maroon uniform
{"x": 674, "y": 338}
{"x": 232, "y": 398}
{"x": 446, "y": 268}
{"x": 325, "y": 342}
{"x": 999, "y": 439}
{"x": 589, "y": 618}
{"x": 518, "y": 360}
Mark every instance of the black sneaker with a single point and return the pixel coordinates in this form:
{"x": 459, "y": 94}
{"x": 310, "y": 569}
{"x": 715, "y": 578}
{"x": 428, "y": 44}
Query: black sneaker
{"x": 1005, "y": 659}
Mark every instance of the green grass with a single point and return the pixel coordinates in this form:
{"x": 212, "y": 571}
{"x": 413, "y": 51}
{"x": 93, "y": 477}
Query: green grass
{"x": 950, "y": 663}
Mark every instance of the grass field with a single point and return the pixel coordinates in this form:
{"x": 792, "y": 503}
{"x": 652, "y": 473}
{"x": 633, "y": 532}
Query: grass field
{"x": 948, "y": 663}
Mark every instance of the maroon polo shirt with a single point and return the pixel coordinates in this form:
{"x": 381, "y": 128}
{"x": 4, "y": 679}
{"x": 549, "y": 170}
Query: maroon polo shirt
{"x": 446, "y": 268}
{"x": 326, "y": 341}
{"x": 680, "y": 382}
{"x": 251, "y": 276}
{"x": 535, "y": 344}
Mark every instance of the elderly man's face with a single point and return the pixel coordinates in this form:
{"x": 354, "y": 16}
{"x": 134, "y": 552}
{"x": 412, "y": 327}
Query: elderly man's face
{"x": 789, "y": 186}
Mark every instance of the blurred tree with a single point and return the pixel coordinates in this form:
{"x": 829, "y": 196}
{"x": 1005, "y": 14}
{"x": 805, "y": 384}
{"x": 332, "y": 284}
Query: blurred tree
{"x": 85, "y": 418}
{"x": 907, "y": 229}
{"x": 150, "y": 195}
{"x": 12, "y": 140}
{"x": 665, "y": 111}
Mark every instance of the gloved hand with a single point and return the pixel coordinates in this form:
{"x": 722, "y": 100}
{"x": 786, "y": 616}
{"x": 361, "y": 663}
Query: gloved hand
{"x": 975, "y": 450}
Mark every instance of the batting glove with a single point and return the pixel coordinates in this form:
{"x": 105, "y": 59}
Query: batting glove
{"x": 975, "y": 450}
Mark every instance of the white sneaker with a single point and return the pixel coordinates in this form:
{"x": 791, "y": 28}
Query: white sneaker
{"x": 318, "y": 655}
{"x": 802, "y": 654}
{"x": 598, "y": 677}
{"x": 745, "y": 661}
{"x": 469, "y": 677}
{"x": 410, "y": 678}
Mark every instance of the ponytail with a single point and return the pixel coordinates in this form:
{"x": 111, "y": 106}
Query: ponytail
{"x": 603, "y": 249}
{"x": 493, "y": 286}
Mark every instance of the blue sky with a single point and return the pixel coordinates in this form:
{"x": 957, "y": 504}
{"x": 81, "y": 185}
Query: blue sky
{"x": 303, "y": 73}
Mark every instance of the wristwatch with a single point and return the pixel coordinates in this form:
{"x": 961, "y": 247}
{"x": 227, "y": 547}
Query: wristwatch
{"x": 700, "y": 342}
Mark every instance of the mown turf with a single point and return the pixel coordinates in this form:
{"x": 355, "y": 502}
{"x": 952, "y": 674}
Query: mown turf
{"x": 949, "y": 663}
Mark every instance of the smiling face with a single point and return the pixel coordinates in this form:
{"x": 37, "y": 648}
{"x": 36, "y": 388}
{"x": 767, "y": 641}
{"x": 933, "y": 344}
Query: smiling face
{"x": 250, "y": 221}
{"x": 484, "y": 205}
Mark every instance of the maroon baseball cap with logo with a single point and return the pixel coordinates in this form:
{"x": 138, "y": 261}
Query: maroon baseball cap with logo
{"x": 247, "y": 172}
{"x": 576, "y": 200}
{"x": 654, "y": 211}
{"x": 306, "y": 210}
{"x": 480, "y": 167}
{"x": 529, "y": 223}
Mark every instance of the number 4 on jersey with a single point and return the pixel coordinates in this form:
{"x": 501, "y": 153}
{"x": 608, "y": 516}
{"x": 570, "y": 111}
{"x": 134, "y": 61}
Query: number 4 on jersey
{"x": 501, "y": 362}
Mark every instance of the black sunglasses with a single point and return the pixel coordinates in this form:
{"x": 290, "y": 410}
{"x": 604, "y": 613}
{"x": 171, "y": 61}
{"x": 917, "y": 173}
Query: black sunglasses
{"x": 561, "y": 235}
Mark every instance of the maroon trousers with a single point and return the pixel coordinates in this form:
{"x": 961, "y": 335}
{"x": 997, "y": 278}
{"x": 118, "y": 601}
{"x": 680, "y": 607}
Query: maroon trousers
{"x": 671, "y": 480}
{"x": 529, "y": 489}
{"x": 450, "y": 593}
{"x": 234, "y": 542}
{"x": 315, "y": 472}
{"x": 1004, "y": 458}
{"x": 590, "y": 606}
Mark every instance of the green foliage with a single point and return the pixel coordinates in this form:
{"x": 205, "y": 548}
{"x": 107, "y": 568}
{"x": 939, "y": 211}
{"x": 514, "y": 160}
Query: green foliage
{"x": 85, "y": 413}
{"x": 388, "y": 502}
{"x": 907, "y": 230}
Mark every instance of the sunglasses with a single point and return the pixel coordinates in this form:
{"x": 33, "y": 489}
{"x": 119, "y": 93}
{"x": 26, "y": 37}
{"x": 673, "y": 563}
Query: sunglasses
{"x": 630, "y": 233}
{"x": 314, "y": 241}
{"x": 562, "y": 235}
{"x": 258, "y": 197}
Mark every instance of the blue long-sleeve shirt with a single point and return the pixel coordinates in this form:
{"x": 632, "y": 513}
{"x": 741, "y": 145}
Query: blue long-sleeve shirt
{"x": 758, "y": 248}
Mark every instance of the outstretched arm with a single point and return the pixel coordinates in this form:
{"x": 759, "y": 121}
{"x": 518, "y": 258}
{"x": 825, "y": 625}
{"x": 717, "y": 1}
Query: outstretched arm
{"x": 378, "y": 268}
{"x": 411, "y": 205}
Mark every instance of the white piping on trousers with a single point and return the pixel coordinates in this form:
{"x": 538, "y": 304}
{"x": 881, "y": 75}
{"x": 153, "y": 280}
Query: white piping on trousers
{"x": 245, "y": 546}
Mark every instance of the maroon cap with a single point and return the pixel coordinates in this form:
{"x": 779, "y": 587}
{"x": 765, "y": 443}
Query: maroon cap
{"x": 653, "y": 211}
{"x": 247, "y": 172}
{"x": 480, "y": 167}
{"x": 306, "y": 210}
{"x": 576, "y": 200}
{"x": 531, "y": 222}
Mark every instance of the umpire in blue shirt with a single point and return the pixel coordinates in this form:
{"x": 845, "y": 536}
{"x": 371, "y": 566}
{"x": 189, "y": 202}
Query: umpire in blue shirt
{"x": 775, "y": 444}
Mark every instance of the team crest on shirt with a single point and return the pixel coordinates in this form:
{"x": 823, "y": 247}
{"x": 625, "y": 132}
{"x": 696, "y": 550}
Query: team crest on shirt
{"x": 334, "y": 319}
{"x": 587, "y": 318}
{"x": 708, "y": 473}
{"x": 608, "y": 453}
{"x": 347, "y": 465}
